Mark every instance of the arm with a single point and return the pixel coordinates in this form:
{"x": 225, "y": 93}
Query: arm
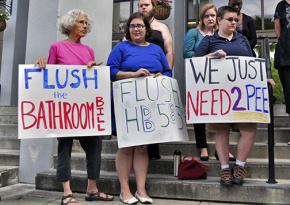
{"x": 277, "y": 27}
{"x": 114, "y": 61}
{"x": 127, "y": 74}
{"x": 252, "y": 34}
{"x": 168, "y": 45}
{"x": 166, "y": 69}
{"x": 203, "y": 48}
{"x": 280, "y": 9}
{"x": 188, "y": 44}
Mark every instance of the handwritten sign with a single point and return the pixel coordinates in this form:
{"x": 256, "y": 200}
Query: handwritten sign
{"x": 148, "y": 110}
{"x": 63, "y": 101}
{"x": 232, "y": 89}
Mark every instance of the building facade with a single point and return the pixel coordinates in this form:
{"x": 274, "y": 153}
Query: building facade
{"x": 32, "y": 27}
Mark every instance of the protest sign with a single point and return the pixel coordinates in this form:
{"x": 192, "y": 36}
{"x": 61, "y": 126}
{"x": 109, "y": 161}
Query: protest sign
{"x": 227, "y": 90}
{"x": 63, "y": 101}
{"x": 148, "y": 110}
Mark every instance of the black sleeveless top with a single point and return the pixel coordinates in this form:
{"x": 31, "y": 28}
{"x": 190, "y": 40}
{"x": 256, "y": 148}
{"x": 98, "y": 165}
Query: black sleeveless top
{"x": 156, "y": 38}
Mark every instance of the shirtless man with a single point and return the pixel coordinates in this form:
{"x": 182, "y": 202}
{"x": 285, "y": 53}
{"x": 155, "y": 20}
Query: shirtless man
{"x": 161, "y": 34}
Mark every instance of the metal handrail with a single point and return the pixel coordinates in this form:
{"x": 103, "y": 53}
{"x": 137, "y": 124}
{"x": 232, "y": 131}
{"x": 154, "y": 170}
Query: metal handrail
{"x": 265, "y": 53}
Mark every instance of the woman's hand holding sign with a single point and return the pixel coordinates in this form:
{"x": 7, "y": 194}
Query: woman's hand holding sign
{"x": 219, "y": 53}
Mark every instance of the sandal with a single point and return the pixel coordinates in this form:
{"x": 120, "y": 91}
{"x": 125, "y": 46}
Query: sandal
{"x": 98, "y": 196}
{"x": 71, "y": 200}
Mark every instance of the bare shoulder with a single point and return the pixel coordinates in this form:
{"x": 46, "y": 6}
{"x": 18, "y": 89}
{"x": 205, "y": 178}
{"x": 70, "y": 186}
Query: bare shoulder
{"x": 159, "y": 26}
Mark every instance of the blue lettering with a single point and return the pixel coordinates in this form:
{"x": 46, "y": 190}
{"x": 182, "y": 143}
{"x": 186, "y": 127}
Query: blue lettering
{"x": 26, "y": 77}
{"x": 257, "y": 98}
{"x": 76, "y": 84}
{"x": 61, "y": 86}
{"x": 45, "y": 80}
{"x": 250, "y": 94}
{"x": 94, "y": 78}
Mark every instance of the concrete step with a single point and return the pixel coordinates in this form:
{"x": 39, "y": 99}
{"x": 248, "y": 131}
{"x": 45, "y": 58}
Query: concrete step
{"x": 281, "y": 134}
{"x": 8, "y": 115}
{"x": 166, "y": 186}
{"x": 257, "y": 168}
{"x": 9, "y": 130}
{"x": 9, "y": 143}
{"x": 260, "y": 150}
{"x": 8, "y": 175}
{"x": 9, "y": 157}
{"x": 8, "y": 110}
{"x": 279, "y": 121}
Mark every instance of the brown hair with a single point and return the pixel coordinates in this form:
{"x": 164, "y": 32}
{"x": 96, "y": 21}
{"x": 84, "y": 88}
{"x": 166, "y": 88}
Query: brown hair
{"x": 138, "y": 15}
{"x": 204, "y": 9}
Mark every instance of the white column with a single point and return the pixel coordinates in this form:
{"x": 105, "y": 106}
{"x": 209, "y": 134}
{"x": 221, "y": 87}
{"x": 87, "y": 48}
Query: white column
{"x": 13, "y": 52}
{"x": 36, "y": 154}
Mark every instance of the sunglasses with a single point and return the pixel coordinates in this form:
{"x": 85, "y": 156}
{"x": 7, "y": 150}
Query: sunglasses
{"x": 231, "y": 19}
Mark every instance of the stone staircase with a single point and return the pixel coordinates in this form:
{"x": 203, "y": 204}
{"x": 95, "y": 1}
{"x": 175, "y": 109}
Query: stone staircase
{"x": 9, "y": 146}
{"x": 162, "y": 184}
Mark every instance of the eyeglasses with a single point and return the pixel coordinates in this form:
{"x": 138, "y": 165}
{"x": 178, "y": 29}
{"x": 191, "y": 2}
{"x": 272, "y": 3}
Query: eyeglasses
{"x": 138, "y": 26}
{"x": 209, "y": 15}
{"x": 231, "y": 19}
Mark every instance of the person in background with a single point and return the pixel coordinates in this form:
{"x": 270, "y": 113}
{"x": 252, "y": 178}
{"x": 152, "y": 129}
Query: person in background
{"x": 246, "y": 24}
{"x": 207, "y": 26}
{"x": 282, "y": 52}
{"x": 161, "y": 36}
{"x": 75, "y": 24}
{"x": 134, "y": 58}
{"x": 226, "y": 41}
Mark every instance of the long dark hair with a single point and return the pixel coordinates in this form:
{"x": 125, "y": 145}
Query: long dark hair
{"x": 138, "y": 15}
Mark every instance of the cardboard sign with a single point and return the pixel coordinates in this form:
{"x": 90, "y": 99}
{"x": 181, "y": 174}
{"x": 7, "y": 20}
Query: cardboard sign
{"x": 148, "y": 110}
{"x": 63, "y": 101}
{"x": 227, "y": 90}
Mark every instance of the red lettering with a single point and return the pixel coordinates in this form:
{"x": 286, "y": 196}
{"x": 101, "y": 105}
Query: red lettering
{"x": 100, "y": 111}
{"x": 190, "y": 104}
{"x": 75, "y": 116}
{"x": 90, "y": 111}
{"x": 99, "y": 125}
{"x": 99, "y": 101}
{"x": 223, "y": 103}
{"x": 66, "y": 111}
{"x": 26, "y": 104}
{"x": 213, "y": 101}
{"x": 41, "y": 116}
{"x": 202, "y": 102}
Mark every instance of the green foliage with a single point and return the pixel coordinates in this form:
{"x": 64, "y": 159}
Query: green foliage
{"x": 162, "y": 3}
{"x": 4, "y": 16}
{"x": 278, "y": 90}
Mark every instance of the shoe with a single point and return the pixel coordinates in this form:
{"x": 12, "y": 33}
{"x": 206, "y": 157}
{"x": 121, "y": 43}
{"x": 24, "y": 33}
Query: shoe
{"x": 232, "y": 159}
{"x": 71, "y": 200}
{"x": 98, "y": 196}
{"x": 144, "y": 200}
{"x": 203, "y": 158}
{"x": 239, "y": 173}
{"x": 132, "y": 200}
{"x": 226, "y": 177}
